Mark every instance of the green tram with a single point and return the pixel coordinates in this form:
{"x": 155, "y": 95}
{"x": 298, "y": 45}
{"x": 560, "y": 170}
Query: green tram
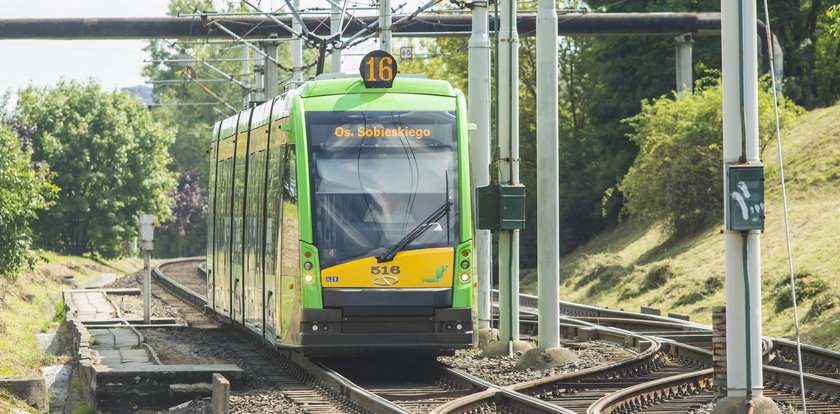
{"x": 340, "y": 218}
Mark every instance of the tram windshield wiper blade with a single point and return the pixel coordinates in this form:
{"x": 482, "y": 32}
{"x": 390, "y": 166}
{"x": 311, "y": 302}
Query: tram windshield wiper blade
{"x": 415, "y": 233}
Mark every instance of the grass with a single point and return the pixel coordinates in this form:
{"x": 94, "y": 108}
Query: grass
{"x": 8, "y": 403}
{"x": 32, "y": 304}
{"x": 636, "y": 265}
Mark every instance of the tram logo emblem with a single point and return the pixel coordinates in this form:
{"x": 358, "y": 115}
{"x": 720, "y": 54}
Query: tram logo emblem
{"x": 385, "y": 280}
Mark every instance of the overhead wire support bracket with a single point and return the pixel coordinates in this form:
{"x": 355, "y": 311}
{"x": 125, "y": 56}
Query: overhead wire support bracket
{"x": 304, "y": 34}
{"x": 296, "y": 16}
{"x": 312, "y": 39}
{"x": 284, "y": 26}
{"x": 371, "y": 28}
{"x": 242, "y": 41}
{"x": 215, "y": 69}
{"x": 219, "y": 98}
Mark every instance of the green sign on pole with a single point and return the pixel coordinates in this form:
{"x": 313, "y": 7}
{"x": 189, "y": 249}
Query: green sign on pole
{"x": 745, "y": 197}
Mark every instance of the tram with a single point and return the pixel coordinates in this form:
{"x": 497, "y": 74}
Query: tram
{"x": 340, "y": 218}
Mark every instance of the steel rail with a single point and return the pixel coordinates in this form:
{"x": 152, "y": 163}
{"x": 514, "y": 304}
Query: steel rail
{"x": 815, "y": 360}
{"x": 493, "y": 393}
{"x": 179, "y": 290}
{"x": 819, "y": 387}
{"x": 336, "y": 382}
{"x": 653, "y": 392}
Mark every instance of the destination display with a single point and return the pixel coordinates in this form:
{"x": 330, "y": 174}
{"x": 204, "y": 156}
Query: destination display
{"x": 384, "y": 132}
{"x": 347, "y": 129}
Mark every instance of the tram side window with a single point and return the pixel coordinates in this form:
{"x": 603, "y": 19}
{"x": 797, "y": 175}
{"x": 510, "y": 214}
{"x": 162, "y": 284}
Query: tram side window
{"x": 238, "y": 201}
{"x": 211, "y": 202}
{"x": 291, "y": 218}
{"x": 273, "y": 226}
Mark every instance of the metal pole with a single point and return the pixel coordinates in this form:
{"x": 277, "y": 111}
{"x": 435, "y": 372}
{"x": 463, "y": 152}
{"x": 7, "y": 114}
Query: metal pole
{"x": 271, "y": 77}
{"x": 335, "y": 29}
{"x": 146, "y": 245}
{"x": 740, "y": 126}
{"x": 147, "y": 287}
{"x": 297, "y": 49}
{"x": 246, "y": 75}
{"x": 385, "y": 25}
{"x": 479, "y": 113}
{"x": 682, "y": 44}
{"x": 508, "y": 125}
{"x": 548, "y": 171}
{"x": 259, "y": 79}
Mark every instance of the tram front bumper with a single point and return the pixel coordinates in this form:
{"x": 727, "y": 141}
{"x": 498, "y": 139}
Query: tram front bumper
{"x": 445, "y": 328}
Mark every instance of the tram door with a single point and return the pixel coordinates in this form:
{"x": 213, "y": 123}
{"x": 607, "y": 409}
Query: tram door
{"x": 273, "y": 227}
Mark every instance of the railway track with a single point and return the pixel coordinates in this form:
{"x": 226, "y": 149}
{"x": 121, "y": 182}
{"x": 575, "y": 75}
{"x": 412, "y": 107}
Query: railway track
{"x": 668, "y": 371}
{"x": 781, "y": 377}
{"x": 429, "y": 384}
{"x": 308, "y": 385}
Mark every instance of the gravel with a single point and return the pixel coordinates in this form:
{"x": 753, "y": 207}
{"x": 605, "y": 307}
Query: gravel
{"x": 501, "y": 370}
{"x": 176, "y": 346}
{"x": 257, "y": 395}
{"x": 710, "y": 408}
{"x": 132, "y": 305}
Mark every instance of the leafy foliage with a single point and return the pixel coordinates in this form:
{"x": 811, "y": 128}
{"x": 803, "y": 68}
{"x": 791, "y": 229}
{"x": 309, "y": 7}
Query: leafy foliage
{"x": 109, "y": 158}
{"x": 812, "y": 70}
{"x": 676, "y": 176}
{"x": 184, "y": 84}
{"x": 833, "y": 14}
{"x": 184, "y": 234}
{"x": 24, "y": 188}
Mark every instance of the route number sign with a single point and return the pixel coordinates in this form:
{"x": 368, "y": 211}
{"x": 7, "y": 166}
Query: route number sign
{"x": 378, "y": 69}
{"x": 406, "y": 53}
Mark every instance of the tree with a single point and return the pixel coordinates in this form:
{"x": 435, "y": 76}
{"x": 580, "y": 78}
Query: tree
{"x": 24, "y": 188}
{"x": 194, "y": 124}
{"x": 186, "y": 231}
{"x": 812, "y": 71}
{"x": 833, "y": 15}
{"x": 109, "y": 158}
{"x": 676, "y": 176}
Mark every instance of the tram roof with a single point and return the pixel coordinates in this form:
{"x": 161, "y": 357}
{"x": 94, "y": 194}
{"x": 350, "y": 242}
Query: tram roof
{"x": 356, "y": 86}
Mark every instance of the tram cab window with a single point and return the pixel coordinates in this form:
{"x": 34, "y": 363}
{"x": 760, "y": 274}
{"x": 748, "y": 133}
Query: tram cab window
{"x": 376, "y": 176}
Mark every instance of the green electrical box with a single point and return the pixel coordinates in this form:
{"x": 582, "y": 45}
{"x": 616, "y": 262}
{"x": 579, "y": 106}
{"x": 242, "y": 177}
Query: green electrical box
{"x": 500, "y": 207}
{"x": 744, "y": 197}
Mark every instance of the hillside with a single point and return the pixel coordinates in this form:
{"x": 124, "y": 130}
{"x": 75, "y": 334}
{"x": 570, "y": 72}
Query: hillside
{"x": 635, "y": 265}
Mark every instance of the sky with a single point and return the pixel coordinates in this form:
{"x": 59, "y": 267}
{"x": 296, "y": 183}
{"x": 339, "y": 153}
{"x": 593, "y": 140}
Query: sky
{"x": 114, "y": 64}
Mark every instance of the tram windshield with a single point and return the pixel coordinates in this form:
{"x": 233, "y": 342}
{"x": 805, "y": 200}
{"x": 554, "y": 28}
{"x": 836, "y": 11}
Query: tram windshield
{"x": 376, "y": 176}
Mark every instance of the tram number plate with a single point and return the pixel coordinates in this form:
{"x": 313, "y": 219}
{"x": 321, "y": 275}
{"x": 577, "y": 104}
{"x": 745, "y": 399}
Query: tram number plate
{"x": 384, "y": 270}
{"x": 378, "y": 69}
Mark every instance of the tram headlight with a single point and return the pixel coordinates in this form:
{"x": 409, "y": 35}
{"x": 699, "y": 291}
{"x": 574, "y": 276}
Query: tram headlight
{"x": 465, "y": 277}
{"x": 307, "y": 265}
{"x": 465, "y": 264}
{"x": 308, "y": 278}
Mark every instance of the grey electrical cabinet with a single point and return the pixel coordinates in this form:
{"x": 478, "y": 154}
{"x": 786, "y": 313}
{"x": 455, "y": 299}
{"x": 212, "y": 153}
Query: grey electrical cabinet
{"x": 500, "y": 207}
{"x": 744, "y": 194}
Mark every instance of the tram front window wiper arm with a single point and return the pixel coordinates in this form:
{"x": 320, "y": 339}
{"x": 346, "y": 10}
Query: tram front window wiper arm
{"x": 415, "y": 233}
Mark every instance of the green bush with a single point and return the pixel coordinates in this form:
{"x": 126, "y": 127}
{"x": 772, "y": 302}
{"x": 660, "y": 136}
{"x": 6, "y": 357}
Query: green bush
{"x": 676, "y": 176}
{"x": 24, "y": 188}
{"x": 807, "y": 286}
{"x": 109, "y": 157}
{"x": 820, "y": 306}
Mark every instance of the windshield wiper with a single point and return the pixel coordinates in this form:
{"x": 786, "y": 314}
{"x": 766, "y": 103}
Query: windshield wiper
{"x": 414, "y": 234}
